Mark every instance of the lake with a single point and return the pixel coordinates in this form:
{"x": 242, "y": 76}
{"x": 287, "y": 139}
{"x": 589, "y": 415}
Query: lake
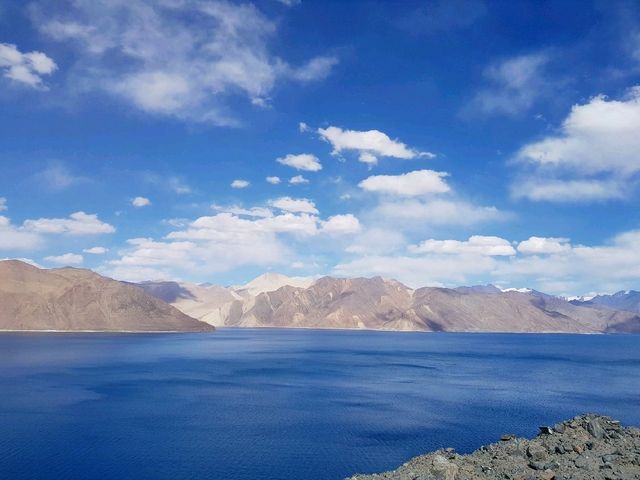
{"x": 289, "y": 404}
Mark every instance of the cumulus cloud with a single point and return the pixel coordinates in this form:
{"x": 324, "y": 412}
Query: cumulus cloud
{"x": 544, "y": 245}
{"x": 610, "y": 267}
{"x": 416, "y": 183}
{"x": 515, "y": 84}
{"x": 16, "y": 238}
{"x": 65, "y": 259}
{"x": 25, "y": 68}
{"x": 294, "y": 205}
{"x": 139, "y": 202}
{"x": 273, "y": 180}
{"x": 369, "y": 145}
{"x": 550, "y": 264}
{"x": 185, "y": 59}
{"x": 476, "y": 244}
{"x": 298, "y": 180}
{"x": 226, "y": 241}
{"x": 239, "y": 183}
{"x": 303, "y": 161}
{"x": 341, "y": 225}
{"x": 78, "y": 223}
{"x": 593, "y": 156}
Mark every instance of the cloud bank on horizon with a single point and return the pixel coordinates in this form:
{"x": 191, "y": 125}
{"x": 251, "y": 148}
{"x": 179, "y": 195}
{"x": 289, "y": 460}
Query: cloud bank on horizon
{"x": 214, "y": 140}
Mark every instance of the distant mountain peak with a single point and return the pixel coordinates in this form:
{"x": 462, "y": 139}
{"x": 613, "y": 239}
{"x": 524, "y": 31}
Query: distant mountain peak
{"x": 271, "y": 281}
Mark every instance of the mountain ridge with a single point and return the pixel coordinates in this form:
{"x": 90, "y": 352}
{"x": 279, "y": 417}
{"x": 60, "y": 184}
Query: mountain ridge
{"x": 382, "y": 304}
{"x": 79, "y": 300}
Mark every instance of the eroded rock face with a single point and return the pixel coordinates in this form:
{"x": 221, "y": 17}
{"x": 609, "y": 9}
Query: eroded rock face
{"x": 586, "y": 447}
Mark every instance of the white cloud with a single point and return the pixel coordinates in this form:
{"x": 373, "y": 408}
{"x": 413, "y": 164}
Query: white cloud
{"x": 610, "y": 267}
{"x": 346, "y": 224}
{"x": 78, "y": 223}
{"x": 420, "y": 271}
{"x": 3, "y": 204}
{"x": 249, "y": 212}
{"x": 369, "y": 144}
{"x": 238, "y": 183}
{"x": 516, "y": 83}
{"x": 273, "y": 180}
{"x": 544, "y": 245}
{"x": 315, "y": 69}
{"x": 139, "y": 202}
{"x": 303, "y": 161}
{"x": 180, "y": 58}
{"x": 66, "y": 259}
{"x": 476, "y": 244}
{"x": 550, "y": 265}
{"x": 226, "y": 241}
{"x": 437, "y": 212}
{"x": 25, "y": 68}
{"x": 16, "y": 238}
{"x": 96, "y": 250}
{"x": 594, "y": 156}
{"x": 298, "y": 180}
{"x": 294, "y": 205}
{"x": 416, "y": 183}
{"x": 303, "y": 127}
{"x": 551, "y": 190}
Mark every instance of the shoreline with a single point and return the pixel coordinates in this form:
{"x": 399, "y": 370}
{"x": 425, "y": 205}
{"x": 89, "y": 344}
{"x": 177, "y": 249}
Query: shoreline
{"x": 318, "y": 329}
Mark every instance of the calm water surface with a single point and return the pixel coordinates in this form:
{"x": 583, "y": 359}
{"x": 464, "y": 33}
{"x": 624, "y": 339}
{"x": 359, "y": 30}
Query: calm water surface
{"x": 289, "y": 404}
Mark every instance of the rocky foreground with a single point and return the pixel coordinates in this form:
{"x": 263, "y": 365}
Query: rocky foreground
{"x": 585, "y": 447}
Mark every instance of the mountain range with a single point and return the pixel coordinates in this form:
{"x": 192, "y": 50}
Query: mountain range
{"x": 72, "y": 299}
{"x": 273, "y": 300}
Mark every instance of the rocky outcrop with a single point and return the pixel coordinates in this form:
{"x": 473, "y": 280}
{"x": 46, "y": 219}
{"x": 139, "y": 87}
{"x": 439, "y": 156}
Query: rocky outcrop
{"x": 71, "y": 299}
{"x": 587, "y": 447}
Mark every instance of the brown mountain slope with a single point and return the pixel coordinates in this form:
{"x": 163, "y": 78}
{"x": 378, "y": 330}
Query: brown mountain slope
{"x": 450, "y": 310}
{"x": 70, "y": 299}
{"x": 377, "y": 304}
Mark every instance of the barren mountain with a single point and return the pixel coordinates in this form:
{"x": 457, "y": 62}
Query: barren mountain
{"x": 70, "y": 299}
{"x": 625, "y": 300}
{"x": 378, "y": 304}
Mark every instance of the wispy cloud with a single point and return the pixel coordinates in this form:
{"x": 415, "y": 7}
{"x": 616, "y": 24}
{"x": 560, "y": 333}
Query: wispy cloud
{"x": 184, "y": 59}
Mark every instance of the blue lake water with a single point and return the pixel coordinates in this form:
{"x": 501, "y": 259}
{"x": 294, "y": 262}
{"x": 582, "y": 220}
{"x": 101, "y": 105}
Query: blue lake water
{"x": 289, "y": 404}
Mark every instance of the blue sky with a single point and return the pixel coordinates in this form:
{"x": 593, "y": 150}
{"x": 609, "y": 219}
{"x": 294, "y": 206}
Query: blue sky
{"x": 439, "y": 142}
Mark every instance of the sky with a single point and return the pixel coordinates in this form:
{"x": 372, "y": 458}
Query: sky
{"x": 440, "y": 143}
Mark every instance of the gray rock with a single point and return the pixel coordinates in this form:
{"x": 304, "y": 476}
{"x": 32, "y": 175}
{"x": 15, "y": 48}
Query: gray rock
{"x": 443, "y": 469}
{"x": 537, "y": 452}
{"x": 581, "y": 462}
{"x": 595, "y": 429}
{"x": 574, "y": 451}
